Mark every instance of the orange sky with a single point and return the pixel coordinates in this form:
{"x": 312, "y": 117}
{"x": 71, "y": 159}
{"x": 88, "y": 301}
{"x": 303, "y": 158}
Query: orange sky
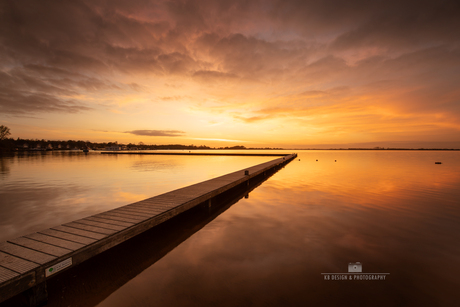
{"x": 223, "y": 73}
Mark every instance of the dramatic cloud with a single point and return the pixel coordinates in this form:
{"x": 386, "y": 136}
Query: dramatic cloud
{"x": 263, "y": 69}
{"x": 157, "y": 132}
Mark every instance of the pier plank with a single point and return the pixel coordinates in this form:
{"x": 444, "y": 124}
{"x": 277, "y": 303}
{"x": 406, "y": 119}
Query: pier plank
{"x": 128, "y": 211}
{"x": 6, "y": 274}
{"x": 90, "y": 228}
{"x": 55, "y": 241}
{"x": 107, "y": 221}
{"x": 101, "y": 225}
{"x": 65, "y": 235}
{"x": 143, "y": 209}
{"x": 83, "y": 233}
{"x": 25, "y": 253}
{"x": 16, "y": 264}
{"x": 160, "y": 205}
{"x": 144, "y": 216}
{"x": 135, "y": 218}
{"x": 116, "y": 217}
{"x": 40, "y": 246}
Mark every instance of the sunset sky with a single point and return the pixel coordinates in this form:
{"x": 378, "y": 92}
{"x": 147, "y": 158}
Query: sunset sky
{"x": 282, "y": 73}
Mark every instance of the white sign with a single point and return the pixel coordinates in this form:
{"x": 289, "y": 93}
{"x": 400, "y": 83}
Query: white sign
{"x": 58, "y": 267}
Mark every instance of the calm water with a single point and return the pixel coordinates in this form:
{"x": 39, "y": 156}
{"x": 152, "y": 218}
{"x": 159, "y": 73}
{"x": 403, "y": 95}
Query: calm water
{"x": 395, "y": 212}
{"x": 39, "y": 191}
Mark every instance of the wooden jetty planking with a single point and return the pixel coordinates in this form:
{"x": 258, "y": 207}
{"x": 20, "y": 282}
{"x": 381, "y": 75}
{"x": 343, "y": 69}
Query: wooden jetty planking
{"x": 140, "y": 209}
{"x": 83, "y": 233}
{"x": 25, "y": 253}
{"x": 144, "y": 216}
{"x": 115, "y": 218}
{"x": 99, "y": 224}
{"x": 107, "y": 221}
{"x": 194, "y": 154}
{"x": 67, "y": 236}
{"x": 40, "y": 246}
{"x": 16, "y": 264}
{"x": 6, "y": 274}
{"x": 90, "y": 228}
{"x": 148, "y": 208}
{"x": 134, "y": 212}
{"x": 94, "y": 236}
{"x": 70, "y": 245}
{"x": 135, "y": 218}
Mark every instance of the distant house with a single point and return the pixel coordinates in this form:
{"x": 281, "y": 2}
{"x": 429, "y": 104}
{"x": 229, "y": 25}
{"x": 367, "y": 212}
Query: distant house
{"x": 25, "y": 145}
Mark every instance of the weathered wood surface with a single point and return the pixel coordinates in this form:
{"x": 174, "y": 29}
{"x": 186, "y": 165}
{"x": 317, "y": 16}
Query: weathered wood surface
{"x": 24, "y": 260}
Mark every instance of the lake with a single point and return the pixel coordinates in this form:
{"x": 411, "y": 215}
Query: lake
{"x": 395, "y": 212}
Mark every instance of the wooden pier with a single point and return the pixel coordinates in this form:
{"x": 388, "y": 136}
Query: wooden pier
{"x": 27, "y": 262}
{"x": 242, "y": 154}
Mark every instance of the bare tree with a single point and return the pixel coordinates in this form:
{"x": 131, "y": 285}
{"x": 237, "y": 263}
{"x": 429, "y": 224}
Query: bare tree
{"x": 4, "y": 132}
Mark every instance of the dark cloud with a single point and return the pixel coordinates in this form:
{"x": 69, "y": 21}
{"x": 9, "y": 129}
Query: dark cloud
{"x": 22, "y": 94}
{"x": 409, "y": 49}
{"x": 157, "y": 132}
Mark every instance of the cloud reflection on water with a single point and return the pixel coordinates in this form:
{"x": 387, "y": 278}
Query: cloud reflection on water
{"x": 314, "y": 217}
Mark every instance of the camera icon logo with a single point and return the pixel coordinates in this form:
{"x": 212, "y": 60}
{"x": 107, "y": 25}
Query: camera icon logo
{"x": 355, "y": 267}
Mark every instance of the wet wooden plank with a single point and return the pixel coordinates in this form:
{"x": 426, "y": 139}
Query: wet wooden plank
{"x": 68, "y": 236}
{"x": 150, "y": 206}
{"x": 79, "y": 232}
{"x": 101, "y": 225}
{"x": 25, "y": 253}
{"x": 143, "y": 210}
{"x": 55, "y": 241}
{"x": 6, "y": 274}
{"x": 16, "y": 264}
{"x": 133, "y": 212}
{"x": 89, "y": 228}
{"x": 116, "y": 218}
{"x": 129, "y": 214}
{"x": 107, "y": 221}
{"x": 40, "y": 246}
{"x": 146, "y": 209}
{"x": 134, "y": 218}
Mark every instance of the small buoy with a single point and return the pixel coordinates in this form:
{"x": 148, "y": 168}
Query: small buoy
{"x": 335, "y": 160}
{"x": 316, "y": 160}
{"x": 437, "y": 163}
{"x": 299, "y": 159}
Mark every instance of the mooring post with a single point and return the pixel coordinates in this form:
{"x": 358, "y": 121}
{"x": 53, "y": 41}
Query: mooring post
{"x": 37, "y": 296}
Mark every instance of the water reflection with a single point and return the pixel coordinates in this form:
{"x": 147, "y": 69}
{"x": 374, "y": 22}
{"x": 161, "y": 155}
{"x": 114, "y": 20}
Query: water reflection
{"x": 44, "y": 189}
{"x": 394, "y": 212}
{"x": 92, "y": 281}
{"x": 4, "y": 166}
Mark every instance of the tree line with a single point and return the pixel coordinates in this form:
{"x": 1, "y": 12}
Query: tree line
{"x": 19, "y": 144}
